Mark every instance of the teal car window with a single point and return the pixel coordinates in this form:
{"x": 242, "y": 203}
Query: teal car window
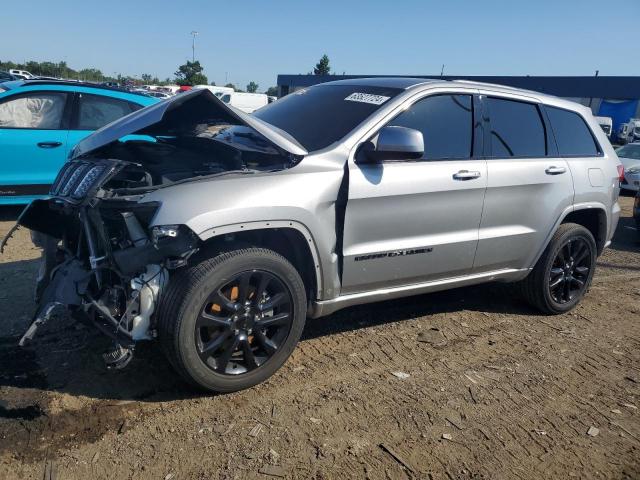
{"x": 41, "y": 110}
{"x": 95, "y": 111}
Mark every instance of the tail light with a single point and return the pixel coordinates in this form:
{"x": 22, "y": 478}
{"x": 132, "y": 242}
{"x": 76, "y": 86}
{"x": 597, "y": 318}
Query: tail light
{"x": 621, "y": 172}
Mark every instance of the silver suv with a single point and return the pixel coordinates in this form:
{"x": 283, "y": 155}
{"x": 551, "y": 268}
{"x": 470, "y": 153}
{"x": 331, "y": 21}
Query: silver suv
{"x": 217, "y": 233}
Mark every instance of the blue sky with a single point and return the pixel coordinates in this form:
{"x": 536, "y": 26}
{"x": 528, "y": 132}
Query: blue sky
{"x": 251, "y": 40}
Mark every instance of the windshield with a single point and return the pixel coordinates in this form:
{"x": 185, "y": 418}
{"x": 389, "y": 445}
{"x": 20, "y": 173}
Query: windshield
{"x": 319, "y": 116}
{"x": 629, "y": 151}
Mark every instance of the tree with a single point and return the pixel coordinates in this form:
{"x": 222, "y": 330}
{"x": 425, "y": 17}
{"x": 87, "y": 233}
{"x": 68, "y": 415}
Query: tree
{"x": 62, "y": 70}
{"x": 272, "y": 91}
{"x": 191, "y": 74}
{"x": 322, "y": 67}
{"x": 231, "y": 85}
{"x": 252, "y": 87}
{"x": 91, "y": 74}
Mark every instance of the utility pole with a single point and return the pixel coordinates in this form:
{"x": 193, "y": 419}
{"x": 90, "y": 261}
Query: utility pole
{"x": 193, "y": 45}
{"x": 442, "y": 71}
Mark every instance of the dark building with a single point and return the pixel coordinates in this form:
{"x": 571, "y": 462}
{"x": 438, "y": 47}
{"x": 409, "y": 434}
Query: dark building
{"x": 615, "y": 97}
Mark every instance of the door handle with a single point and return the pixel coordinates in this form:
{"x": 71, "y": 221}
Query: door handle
{"x": 555, "y": 170}
{"x": 466, "y": 175}
{"x": 49, "y": 144}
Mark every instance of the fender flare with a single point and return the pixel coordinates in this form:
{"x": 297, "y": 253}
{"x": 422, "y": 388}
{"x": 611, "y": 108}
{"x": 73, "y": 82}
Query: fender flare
{"x": 270, "y": 225}
{"x": 570, "y": 209}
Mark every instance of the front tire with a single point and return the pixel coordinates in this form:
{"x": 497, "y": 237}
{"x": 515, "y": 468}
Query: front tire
{"x": 563, "y": 273}
{"x": 229, "y": 322}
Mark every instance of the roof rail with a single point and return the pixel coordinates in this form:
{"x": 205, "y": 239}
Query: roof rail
{"x": 37, "y": 81}
{"x": 506, "y": 87}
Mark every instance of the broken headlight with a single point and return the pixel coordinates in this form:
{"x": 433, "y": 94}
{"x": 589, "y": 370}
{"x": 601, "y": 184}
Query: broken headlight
{"x": 88, "y": 181}
{"x": 73, "y": 179}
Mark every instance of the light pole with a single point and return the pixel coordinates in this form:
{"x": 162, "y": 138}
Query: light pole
{"x": 193, "y": 45}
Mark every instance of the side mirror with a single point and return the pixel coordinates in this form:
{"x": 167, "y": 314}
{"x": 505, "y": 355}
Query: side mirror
{"x": 396, "y": 143}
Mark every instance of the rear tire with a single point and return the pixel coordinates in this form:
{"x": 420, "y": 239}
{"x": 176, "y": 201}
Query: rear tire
{"x": 563, "y": 274}
{"x": 230, "y": 322}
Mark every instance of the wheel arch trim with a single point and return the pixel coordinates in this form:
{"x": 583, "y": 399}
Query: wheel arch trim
{"x": 577, "y": 207}
{"x": 272, "y": 225}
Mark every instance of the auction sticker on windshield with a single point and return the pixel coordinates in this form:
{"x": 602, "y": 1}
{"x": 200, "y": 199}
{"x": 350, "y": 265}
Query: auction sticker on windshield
{"x": 367, "y": 98}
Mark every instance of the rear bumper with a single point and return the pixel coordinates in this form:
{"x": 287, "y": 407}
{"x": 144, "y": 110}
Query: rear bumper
{"x": 615, "y": 217}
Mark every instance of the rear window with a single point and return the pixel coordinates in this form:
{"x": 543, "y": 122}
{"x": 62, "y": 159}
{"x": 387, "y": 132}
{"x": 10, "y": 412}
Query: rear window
{"x": 319, "y": 116}
{"x": 572, "y": 134}
{"x": 95, "y": 111}
{"x": 517, "y": 129}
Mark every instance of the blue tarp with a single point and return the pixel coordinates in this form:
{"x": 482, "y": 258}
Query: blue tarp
{"x": 620, "y": 112}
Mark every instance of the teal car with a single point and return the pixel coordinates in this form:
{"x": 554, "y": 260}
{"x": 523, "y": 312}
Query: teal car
{"x": 40, "y": 123}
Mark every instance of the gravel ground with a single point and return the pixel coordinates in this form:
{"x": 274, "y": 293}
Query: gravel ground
{"x": 464, "y": 384}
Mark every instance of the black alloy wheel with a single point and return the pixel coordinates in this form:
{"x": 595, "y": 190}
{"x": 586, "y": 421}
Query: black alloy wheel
{"x": 570, "y": 270}
{"x": 243, "y": 322}
{"x": 562, "y": 275}
{"x": 230, "y": 321}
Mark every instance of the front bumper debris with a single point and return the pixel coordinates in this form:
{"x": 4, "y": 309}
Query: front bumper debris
{"x": 102, "y": 264}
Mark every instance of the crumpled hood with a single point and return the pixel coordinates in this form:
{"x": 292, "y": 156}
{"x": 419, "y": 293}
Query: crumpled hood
{"x": 178, "y": 115}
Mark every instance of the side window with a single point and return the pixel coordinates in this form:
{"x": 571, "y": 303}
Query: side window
{"x": 95, "y": 111}
{"x": 134, "y": 107}
{"x": 40, "y": 110}
{"x": 446, "y": 123}
{"x": 517, "y": 129}
{"x": 572, "y": 133}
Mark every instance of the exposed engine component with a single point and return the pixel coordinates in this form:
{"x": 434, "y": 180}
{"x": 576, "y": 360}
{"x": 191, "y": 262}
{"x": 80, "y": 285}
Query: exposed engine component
{"x": 145, "y": 294}
{"x": 118, "y": 358}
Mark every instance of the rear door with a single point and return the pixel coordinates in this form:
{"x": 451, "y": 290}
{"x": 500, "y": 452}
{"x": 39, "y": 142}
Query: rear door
{"x": 409, "y": 222}
{"x": 595, "y": 176}
{"x": 529, "y": 184}
{"x": 94, "y": 111}
{"x": 33, "y": 141}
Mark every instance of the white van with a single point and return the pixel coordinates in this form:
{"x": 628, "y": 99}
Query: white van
{"x": 217, "y": 91}
{"x": 247, "y": 102}
{"x": 170, "y": 89}
{"x": 606, "y": 123}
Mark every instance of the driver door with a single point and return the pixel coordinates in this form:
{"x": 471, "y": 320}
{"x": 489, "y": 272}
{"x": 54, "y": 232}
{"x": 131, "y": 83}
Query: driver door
{"x": 33, "y": 139}
{"x": 409, "y": 222}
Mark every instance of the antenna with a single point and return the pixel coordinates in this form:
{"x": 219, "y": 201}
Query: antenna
{"x": 193, "y": 45}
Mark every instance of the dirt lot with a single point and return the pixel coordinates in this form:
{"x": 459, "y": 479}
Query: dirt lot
{"x": 497, "y": 391}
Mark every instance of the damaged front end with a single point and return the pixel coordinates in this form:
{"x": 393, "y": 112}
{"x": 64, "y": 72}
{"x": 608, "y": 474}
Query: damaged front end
{"x": 105, "y": 265}
{"x": 105, "y": 261}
